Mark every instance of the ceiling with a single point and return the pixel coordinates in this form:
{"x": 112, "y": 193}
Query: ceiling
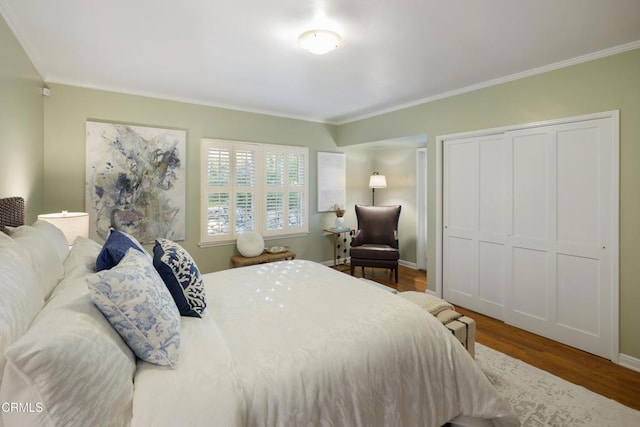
{"x": 243, "y": 54}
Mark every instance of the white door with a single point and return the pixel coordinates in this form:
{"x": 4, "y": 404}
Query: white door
{"x": 529, "y": 230}
{"x": 474, "y": 228}
{"x": 559, "y": 234}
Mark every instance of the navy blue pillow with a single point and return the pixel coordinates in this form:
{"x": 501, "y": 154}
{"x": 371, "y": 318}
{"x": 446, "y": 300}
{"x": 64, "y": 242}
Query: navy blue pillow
{"x": 115, "y": 248}
{"x": 181, "y": 275}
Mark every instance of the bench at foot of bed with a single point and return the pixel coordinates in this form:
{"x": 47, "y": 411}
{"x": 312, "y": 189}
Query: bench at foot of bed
{"x": 462, "y": 327}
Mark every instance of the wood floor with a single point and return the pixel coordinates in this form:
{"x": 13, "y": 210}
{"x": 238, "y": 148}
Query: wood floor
{"x": 595, "y": 373}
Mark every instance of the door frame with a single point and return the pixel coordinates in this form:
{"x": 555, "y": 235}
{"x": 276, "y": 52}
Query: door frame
{"x": 422, "y": 173}
{"x": 615, "y": 213}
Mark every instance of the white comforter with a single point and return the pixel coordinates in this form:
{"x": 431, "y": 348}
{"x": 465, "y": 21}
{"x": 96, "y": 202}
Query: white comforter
{"x": 295, "y": 343}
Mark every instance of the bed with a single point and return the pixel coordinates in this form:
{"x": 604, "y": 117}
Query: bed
{"x": 289, "y": 343}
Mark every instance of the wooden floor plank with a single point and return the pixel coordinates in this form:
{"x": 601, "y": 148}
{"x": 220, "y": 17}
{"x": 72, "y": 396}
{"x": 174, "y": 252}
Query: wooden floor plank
{"x": 592, "y": 372}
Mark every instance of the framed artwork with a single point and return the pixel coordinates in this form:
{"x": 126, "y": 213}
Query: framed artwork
{"x": 135, "y": 181}
{"x": 332, "y": 181}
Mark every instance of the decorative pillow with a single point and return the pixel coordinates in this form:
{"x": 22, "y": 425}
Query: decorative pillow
{"x": 181, "y": 275}
{"x": 44, "y": 258}
{"x": 250, "y": 243}
{"x": 139, "y": 306}
{"x": 114, "y": 249}
{"x": 56, "y": 237}
{"x": 21, "y": 300}
{"x": 70, "y": 366}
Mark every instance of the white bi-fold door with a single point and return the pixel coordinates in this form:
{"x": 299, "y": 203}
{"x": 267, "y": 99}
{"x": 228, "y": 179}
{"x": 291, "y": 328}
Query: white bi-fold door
{"x": 528, "y": 229}
{"x": 474, "y": 223}
{"x": 559, "y": 239}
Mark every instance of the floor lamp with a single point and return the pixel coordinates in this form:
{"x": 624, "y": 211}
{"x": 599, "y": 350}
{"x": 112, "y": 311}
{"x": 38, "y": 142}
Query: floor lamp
{"x": 376, "y": 181}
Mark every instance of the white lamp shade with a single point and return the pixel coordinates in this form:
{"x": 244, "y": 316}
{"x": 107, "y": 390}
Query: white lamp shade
{"x": 377, "y": 181}
{"x": 72, "y": 224}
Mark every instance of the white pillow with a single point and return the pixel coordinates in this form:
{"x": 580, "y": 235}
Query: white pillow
{"x": 82, "y": 257}
{"x": 20, "y": 302}
{"x": 9, "y": 246}
{"x": 5, "y": 239}
{"x": 56, "y": 237}
{"x": 73, "y": 364}
{"x": 80, "y": 262}
{"x": 44, "y": 258}
{"x": 135, "y": 300}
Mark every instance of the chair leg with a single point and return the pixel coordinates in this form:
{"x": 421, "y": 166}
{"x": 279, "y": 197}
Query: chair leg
{"x": 351, "y": 268}
{"x": 396, "y": 270}
{"x": 362, "y": 271}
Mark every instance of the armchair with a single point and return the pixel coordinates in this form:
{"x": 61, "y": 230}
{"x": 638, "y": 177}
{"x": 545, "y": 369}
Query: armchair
{"x": 375, "y": 243}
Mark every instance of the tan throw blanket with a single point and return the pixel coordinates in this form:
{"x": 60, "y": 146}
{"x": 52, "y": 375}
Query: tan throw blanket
{"x": 444, "y": 311}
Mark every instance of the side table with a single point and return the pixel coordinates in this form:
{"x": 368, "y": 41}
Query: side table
{"x": 336, "y": 233}
{"x": 263, "y": 258}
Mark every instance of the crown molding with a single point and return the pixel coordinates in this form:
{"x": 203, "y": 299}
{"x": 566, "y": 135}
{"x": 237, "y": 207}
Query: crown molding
{"x": 524, "y": 74}
{"x": 19, "y": 33}
{"x": 194, "y": 101}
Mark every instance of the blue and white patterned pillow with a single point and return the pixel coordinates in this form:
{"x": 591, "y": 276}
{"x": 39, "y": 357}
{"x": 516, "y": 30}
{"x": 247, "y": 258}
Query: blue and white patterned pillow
{"x": 116, "y": 246}
{"x": 181, "y": 275}
{"x": 138, "y": 305}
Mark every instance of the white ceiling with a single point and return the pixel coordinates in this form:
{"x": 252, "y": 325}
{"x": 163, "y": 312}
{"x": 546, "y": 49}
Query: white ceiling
{"x": 243, "y": 54}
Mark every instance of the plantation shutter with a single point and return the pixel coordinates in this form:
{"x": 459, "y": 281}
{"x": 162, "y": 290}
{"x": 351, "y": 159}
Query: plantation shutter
{"x": 275, "y": 179}
{"x": 248, "y": 186}
{"x": 296, "y": 190}
{"x": 245, "y": 183}
{"x": 218, "y": 191}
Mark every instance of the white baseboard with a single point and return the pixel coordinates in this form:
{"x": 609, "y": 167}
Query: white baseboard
{"x": 411, "y": 265}
{"x": 329, "y": 263}
{"x": 629, "y": 362}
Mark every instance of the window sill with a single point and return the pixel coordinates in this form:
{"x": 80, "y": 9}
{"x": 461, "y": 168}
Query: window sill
{"x": 266, "y": 238}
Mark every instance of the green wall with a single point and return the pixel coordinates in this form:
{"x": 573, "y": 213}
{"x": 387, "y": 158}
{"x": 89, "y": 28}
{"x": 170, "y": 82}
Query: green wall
{"x": 69, "y": 107}
{"x": 42, "y": 145}
{"x": 610, "y": 83}
{"x": 21, "y": 125}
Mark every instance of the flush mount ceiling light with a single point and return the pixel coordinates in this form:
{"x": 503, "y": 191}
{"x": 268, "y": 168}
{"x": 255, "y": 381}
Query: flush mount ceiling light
{"x": 319, "y": 41}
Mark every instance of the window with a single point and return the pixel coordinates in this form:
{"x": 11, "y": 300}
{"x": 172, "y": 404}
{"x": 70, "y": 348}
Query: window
{"x": 248, "y": 186}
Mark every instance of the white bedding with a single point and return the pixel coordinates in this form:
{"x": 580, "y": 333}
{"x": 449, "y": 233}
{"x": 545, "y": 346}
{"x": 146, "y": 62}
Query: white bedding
{"x": 295, "y": 343}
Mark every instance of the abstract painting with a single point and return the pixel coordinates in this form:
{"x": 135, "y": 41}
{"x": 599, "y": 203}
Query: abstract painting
{"x": 135, "y": 181}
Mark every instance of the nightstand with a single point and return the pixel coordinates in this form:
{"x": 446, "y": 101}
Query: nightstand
{"x": 337, "y": 233}
{"x": 263, "y": 258}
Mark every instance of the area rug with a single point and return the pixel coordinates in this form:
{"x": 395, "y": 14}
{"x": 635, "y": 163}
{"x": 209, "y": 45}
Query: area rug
{"x": 541, "y": 399}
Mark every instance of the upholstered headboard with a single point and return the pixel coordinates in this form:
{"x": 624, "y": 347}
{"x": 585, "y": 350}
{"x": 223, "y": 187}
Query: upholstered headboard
{"x": 11, "y": 212}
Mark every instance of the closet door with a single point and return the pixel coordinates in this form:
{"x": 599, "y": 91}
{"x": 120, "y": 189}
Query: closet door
{"x": 474, "y": 227}
{"x": 558, "y": 245}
